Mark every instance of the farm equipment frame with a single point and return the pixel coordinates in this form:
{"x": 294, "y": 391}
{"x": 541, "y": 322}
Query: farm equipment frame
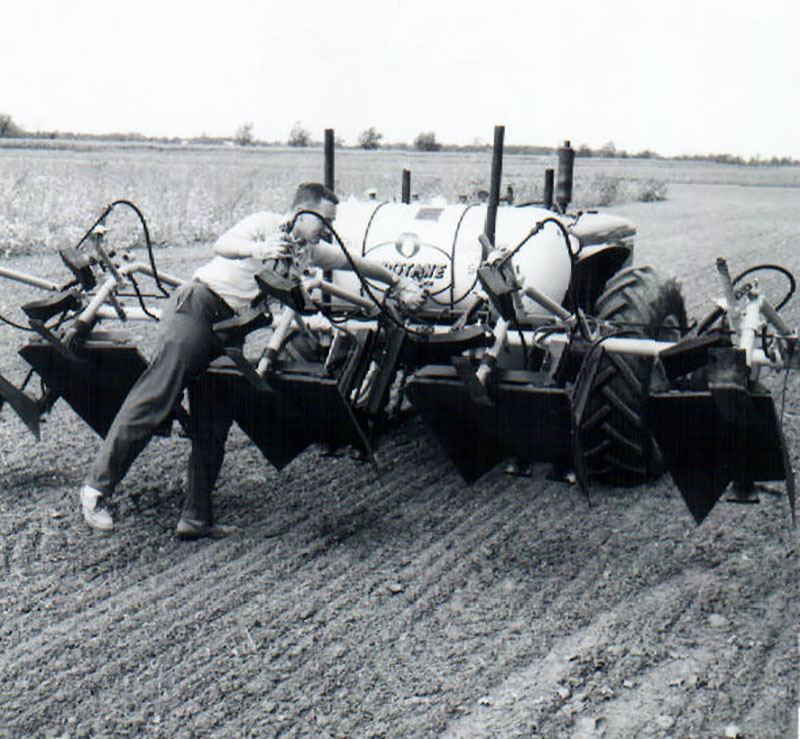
{"x": 548, "y": 347}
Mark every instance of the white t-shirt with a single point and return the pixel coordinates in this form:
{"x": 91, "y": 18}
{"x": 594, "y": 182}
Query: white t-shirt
{"x": 233, "y": 279}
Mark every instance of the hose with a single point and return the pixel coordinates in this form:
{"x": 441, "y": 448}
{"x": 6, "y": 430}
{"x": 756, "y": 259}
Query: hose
{"x": 535, "y": 230}
{"x": 149, "y": 245}
{"x": 363, "y": 282}
{"x": 140, "y": 298}
{"x": 11, "y": 323}
{"x": 774, "y": 268}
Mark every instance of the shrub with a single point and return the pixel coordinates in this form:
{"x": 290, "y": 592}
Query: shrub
{"x": 8, "y": 128}
{"x": 299, "y": 136}
{"x": 244, "y": 135}
{"x": 652, "y": 191}
{"x": 426, "y": 141}
{"x": 606, "y": 190}
{"x": 370, "y": 139}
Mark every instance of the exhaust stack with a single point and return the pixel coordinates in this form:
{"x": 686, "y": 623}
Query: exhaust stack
{"x": 566, "y": 164}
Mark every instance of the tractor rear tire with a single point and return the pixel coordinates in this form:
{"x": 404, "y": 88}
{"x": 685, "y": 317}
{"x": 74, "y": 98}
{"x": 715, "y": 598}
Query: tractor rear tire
{"x": 613, "y": 435}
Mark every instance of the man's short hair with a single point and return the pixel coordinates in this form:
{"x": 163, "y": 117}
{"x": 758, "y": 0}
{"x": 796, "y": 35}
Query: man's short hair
{"x": 313, "y": 193}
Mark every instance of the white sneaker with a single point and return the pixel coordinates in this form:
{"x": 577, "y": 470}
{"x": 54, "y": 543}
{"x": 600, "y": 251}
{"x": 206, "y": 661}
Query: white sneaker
{"x": 94, "y": 513}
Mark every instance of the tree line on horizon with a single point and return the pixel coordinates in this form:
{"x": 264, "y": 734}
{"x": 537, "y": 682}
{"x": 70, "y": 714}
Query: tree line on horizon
{"x": 370, "y": 139}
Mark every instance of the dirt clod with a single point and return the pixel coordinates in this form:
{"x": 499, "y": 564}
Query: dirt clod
{"x": 717, "y": 621}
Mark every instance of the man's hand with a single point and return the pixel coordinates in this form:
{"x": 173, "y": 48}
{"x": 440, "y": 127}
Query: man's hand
{"x": 276, "y": 246}
{"x": 408, "y": 293}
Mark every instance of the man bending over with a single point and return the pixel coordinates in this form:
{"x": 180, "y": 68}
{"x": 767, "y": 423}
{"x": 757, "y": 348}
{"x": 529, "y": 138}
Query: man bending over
{"x": 186, "y": 344}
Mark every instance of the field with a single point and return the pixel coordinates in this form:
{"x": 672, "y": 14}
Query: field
{"x": 409, "y": 604}
{"x": 49, "y": 197}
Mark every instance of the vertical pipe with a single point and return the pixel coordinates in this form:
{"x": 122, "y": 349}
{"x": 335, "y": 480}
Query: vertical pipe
{"x": 566, "y": 164}
{"x": 329, "y": 178}
{"x": 497, "y": 173}
{"x": 734, "y": 314}
{"x": 406, "y": 194}
{"x": 330, "y": 184}
{"x": 281, "y": 328}
{"x": 750, "y": 327}
{"x": 548, "y": 188}
{"x": 489, "y": 359}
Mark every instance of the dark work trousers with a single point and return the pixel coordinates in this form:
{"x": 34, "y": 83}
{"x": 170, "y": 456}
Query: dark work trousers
{"x": 185, "y": 346}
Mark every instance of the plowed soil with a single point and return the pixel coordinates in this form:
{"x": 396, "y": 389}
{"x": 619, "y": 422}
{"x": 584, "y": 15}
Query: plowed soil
{"x": 346, "y": 604}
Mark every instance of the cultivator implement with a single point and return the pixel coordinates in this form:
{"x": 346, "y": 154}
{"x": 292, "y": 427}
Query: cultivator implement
{"x": 706, "y": 448}
{"x": 538, "y": 342}
{"x": 621, "y": 408}
{"x": 91, "y": 369}
{"x": 82, "y": 379}
{"x": 719, "y": 426}
{"x": 299, "y": 405}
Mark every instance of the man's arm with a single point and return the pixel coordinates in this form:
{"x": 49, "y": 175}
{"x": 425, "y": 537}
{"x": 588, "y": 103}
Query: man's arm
{"x": 375, "y": 271}
{"x": 254, "y": 236}
{"x": 331, "y": 257}
{"x": 407, "y": 291}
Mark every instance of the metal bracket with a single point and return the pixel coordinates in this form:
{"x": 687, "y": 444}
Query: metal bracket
{"x": 236, "y": 354}
{"x": 500, "y": 287}
{"x": 468, "y": 375}
{"x": 39, "y": 327}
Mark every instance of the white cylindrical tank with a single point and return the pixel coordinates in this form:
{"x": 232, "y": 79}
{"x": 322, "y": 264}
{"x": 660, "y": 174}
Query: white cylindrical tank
{"x": 439, "y": 246}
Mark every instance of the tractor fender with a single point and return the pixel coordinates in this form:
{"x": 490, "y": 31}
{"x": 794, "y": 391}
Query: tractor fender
{"x": 592, "y": 228}
{"x": 594, "y": 266}
{"x": 606, "y": 246}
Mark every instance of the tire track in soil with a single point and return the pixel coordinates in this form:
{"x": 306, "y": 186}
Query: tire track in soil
{"x": 313, "y": 554}
{"x": 10, "y": 544}
{"x": 68, "y": 625}
{"x": 498, "y": 713}
{"x": 334, "y": 596}
{"x": 654, "y": 673}
{"x": 100, "y": 621}
{"x": 328, "y": 633}
{"x": 402, "y": 620}
{"x": 428, "y": 564}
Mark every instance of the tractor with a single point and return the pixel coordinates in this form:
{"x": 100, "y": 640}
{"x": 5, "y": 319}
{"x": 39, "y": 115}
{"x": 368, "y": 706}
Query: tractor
{"x": 539, "y": 341}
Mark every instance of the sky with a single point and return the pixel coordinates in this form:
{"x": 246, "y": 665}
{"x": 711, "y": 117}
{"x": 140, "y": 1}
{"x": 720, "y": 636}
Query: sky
{"x": 671, "y": 76}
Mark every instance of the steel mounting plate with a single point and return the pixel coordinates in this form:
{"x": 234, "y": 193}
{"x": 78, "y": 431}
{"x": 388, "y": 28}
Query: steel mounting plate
{"x": 525, "y": 419}
{"x": 300, "y": 409}
{"x": 706, "y": 447}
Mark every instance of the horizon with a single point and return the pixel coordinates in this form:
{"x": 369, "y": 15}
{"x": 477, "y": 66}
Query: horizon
{"x": 581, "y": 150}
